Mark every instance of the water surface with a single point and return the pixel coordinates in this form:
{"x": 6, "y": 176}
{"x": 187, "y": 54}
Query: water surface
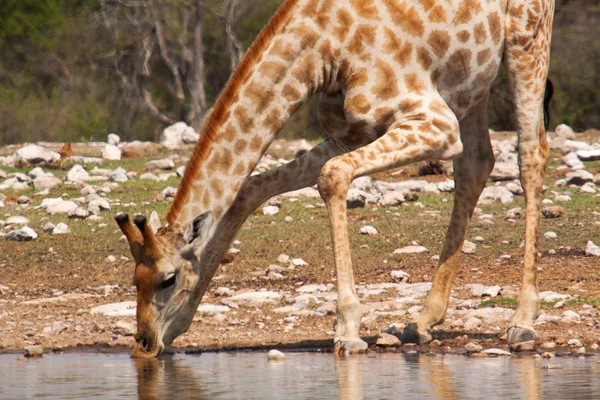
{"x": 300, "y": 376}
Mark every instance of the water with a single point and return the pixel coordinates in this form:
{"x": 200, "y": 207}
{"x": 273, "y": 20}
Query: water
{"x": 300, "y": 376}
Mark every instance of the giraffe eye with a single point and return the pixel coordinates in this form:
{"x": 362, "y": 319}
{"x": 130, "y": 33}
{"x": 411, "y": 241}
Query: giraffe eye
{"x": 169, "y": 282}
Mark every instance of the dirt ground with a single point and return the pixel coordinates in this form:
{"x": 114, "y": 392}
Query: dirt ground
{"x": 54, "y": 281}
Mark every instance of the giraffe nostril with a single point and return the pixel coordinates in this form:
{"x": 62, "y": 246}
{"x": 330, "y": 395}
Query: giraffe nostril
{"x": 143, "y": 340}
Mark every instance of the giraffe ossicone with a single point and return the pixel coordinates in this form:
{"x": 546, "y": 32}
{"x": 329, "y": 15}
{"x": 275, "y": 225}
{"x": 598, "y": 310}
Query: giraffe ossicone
{"x": 399, "y": 81}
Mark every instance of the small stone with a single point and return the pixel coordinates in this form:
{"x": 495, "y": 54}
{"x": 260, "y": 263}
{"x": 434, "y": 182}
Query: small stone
{"x": 473, "y": 347}
{"x": 581, "y": 350}
{"x": 368, "y": 230}
{"x": 523, "y": 346}
{"x": 553, "y": 212}
{"x": 411, "y": 250}
{"x": 60, "y": 229}
{"x": 270, "y": 210}
{"x": 400, "y": 276}
{"x": 275, "y": 355}
{"x": 298, "y": 262}
{"x": 591, "y": 249}
{"x": 575, "y": 343}
{"x": 113, "y": 139}
{"x": 496, "y": 352}
{"x": 514, "y": 213}
{"x": 547, "y": 355}
{"x": 550, "y": 235}
{"x": 79, "y": 212}
{"x": 111, "y": 259}
{"x": 22, "y": 235}
{"x": 284, "y": 259}
{"x": 164, "y": 164}
{"x": 469, "y": 247}
{"x": 111, "y": 152}
{"x": 386, "y": 340}
{"x": 34, "y": 351}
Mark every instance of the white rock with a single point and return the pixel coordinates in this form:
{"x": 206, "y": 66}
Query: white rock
{"x": 479, "y": 290}
{"x": 48, "y": 227}
{"x": 514, "y": 213}
{"x": 564, "y": 131}
{"x": 79, "y": 213}
{"x": 492, "y": 194}
{"x": 256, "y": 298}
{"x": 61, "y": 207}
{"x": 113, "y": 139}
{"x": 446, "y": 186}
{"x": 298, "y": 262}
{"x": 391, "y": 199}
{"x": 579, "y": 177}
{"x": 504, "y": 172}
{"x": 400, "y": 276}
{"x": 569, "y": 316}
{"x": 270, "y": 210}
{"x": 312, "y": 288}
{"x": 469, "y": 247}
{"x": 34, "y": 154}
{"x": 77, "y": 173}
{"x": 164, "y": 163}
{"x": 47, "y": 183}
{"x": 213, "y": 309}
{"x": 411, "y": 250}
{"x": 111, "y": 259}
{"x": 553, "y": 296}
{"x": 23, "y": 234}
{"x": 17, "y": 220}
{"x": 122, "y": 309}
{"x": 496, "y": 352}
{"x": 177, "y": 134}
{"x": 591, "y": 249}
{"x": 275, "y": 355}
{"x": 60, "y": 229}
{"x": 588, "y": 187}
{"x": 368, "y": 230}
{"x": 119, "y": 175}
{"x": 149, "y": 176}
{"x": 550, "y": 235}
{"x": 284, "y": 259}
{"x": 515, "y": 188}
{"x": 111, "y": 152}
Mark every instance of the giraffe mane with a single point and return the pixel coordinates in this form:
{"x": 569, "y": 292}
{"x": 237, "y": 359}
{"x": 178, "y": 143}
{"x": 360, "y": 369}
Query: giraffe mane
{"x": 223, "y": 105}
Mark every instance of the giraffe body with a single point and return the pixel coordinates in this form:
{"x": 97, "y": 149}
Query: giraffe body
{"x": 399, "y": 82}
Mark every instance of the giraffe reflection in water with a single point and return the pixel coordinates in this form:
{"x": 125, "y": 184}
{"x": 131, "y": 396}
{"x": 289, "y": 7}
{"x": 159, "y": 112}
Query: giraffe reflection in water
{"x": 416, "y": 376}
{"x": 168, "y": 377}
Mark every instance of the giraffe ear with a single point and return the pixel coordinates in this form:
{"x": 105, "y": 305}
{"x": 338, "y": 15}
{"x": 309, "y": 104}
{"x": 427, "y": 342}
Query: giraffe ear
{"x": 196, "y": 233}
{"x": 154, "y": 222}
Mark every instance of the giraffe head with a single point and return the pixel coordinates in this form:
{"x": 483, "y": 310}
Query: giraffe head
{"x": 166, "y": 277}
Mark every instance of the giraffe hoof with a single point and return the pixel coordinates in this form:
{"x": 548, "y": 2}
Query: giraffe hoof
{"x": 516, "y": 334}
{"x": 411, "y": 334}
{"x": 347, "y": 347}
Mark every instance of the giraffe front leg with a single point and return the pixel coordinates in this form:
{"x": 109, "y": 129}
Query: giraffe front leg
{"x": 333, "y": 184}
{"x": 434, "y": 136}
{"x": 471, "y": 171}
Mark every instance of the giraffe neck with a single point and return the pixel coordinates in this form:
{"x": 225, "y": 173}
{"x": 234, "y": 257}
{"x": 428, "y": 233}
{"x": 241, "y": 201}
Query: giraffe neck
{"x": 279, "y": 72}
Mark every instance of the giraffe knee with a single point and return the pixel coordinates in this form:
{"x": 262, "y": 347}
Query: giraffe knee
{"x": 334, "y": 180}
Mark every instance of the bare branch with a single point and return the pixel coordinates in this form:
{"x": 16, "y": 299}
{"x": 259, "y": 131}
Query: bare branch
{"x": 166, "y": 55}
{"x": 235, "y": 48}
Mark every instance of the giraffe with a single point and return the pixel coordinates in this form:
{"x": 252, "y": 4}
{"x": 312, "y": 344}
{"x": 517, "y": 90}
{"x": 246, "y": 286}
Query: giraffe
{"x": 399, "y": 81}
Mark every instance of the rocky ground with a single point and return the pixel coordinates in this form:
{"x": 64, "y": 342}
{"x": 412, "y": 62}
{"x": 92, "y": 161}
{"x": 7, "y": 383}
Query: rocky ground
{"x": 66, "y": 270}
